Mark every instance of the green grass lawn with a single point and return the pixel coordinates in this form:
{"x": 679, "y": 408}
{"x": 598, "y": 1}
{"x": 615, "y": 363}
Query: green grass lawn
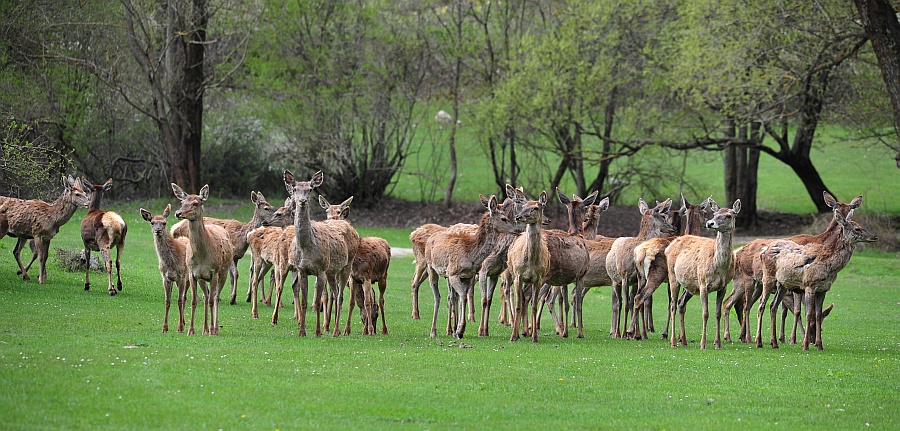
{"x": 71, "y": 359}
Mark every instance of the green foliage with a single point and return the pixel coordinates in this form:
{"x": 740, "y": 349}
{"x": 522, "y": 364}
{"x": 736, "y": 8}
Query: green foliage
{"x": 71, "y": 359}
{"x": 29, "y": 164}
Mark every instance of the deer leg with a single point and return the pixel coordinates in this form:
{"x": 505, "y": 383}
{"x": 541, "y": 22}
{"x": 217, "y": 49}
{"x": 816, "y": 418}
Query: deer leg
{"x": 350, "y": 311}
{"x": 682, "y": 308}
{"x": 119, "y": 265}
{"x": 278, "y": 275}
{"x": 167, "y": 288}
{"x": 87, "y": 268}
{"x": 107, "y": 261}
{"x": 470, "y": 299}
{"x": 819, "y": 315}
{"x": 317, "y": 296}
{"x": 781, "y": 325}
{"x": 773, "y": 310}
{"x": 730, "y": 300}
{"x": 809, "y": 300}
{"x": 233, "y": 271}
{"x": 516, "y": 293}
{"x": 535, "y": 312}
{"x": 418, "y": 278}
{"x": 300, "y": 284}
{"x": 720, "y": 296}
{"x": 616, "y": 309}
{"x": 798, "y": 324}
{"x": 673, "y": 308}
{"x": 760, "y": 311}
{"x": 704, "y": 307}
{"x": 432, "y": 280}
{"x": 17, "y": 251}
{"x": 193, "y": 285}
{"x": 43, "y": 248}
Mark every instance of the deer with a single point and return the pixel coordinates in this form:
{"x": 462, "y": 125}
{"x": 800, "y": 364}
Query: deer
{"x": 39, "y": 221}
{"x": 749, "y": 271}
{"x": 101, "y": 231}
{"x": 620, "y": 260}
{"x": 373, "y": 259}
{"x": 528, "y": 263}
{"x": 790, "y": 302}
{"x": 810, "y": 268}
{"x": 457, "y": 255}
{"x": 419, "y": 239}
{"x": 652, "y": 270}
{"x": 209, "y": 257}
{"x": 281, "y": 218}
{"x": 173, "y": 268}
{"x": 575, "y": 209}
{"x": 702, "y": 265}
{"x": 325, "y": 249}
{"x": 270, "y": 247}
{"x": 237, "y": 233}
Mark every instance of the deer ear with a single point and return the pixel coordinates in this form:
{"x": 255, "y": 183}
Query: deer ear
{"x": 589, "y": 200}
{"x": 684, "y": 202}
{"x": 254, "y": 197}
{"x": 603, "y": 205}
{"x": 543, "y": 198}
{"x": 856, "y": 202}
{"x": 179, "y": 192}
{"x": 666, "y": 206}
{"x": 317, "y": 179}
{"x": 344, "y": 214}
{"x": 736, "y": 207}
{"x": 346, "y": 203}
{"x": 485, "y": 202}
{"x": 87, "y": 185}
{"x": 520, "y": 195}
{"x": 204, "y": 193}
{"x": 288, "y": 181}
{"x": 705, "y": 203}
{"x": 510, "y": 192}
{"x": 840, "y": 219}
{"x": 562, "y": 198}
{"x": 146, "y": 214}
{"x": 167, "y": 211}
{"x": 492, "y": 204}
{"x": 107, "y": 185}
{"x": 829, "y": 200}
{"x": 323, "y": 202}
{"x": 642, "y": 205}
{"x": 713, "y": 206}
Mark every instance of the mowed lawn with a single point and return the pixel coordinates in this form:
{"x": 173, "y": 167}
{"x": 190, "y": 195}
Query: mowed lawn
{"x": 71, "y": 359}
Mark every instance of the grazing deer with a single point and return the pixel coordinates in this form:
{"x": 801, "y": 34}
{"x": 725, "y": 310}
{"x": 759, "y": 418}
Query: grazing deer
{"x": 101, "y": 231}
{"x": 748, "y": 273}
{"x": 620, "y": 260}
{"x": 237, "y": 233}
{"x": 324, "y": 249}
{"x": 209, "y": 257}
{"x": 702, "y": 265}
{"x": 811, "y": 268}
{"x": 172, "y": 253}
{"x": 652, "y": 269}
{"x": 40, "y": 221}
{"x": 528, "y": 262}
{"x": 457, "y": 255}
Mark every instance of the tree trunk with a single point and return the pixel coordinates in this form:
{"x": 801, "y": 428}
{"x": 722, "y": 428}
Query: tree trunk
{"x": 457, "y": 70}
{"x": 879, "y": 19}
{"x": 193, "y": 88}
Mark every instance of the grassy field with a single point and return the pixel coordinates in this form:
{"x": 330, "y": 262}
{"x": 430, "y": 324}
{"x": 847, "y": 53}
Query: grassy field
{"x": 848, "y": 169}
{"x": 71, "y": 359}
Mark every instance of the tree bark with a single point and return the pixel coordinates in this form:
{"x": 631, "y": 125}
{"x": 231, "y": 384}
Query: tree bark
{"x": 879, "y": 19}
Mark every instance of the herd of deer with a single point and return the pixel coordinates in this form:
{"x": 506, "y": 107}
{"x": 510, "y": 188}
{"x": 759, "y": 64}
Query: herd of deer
{"x": 509, "y": 246}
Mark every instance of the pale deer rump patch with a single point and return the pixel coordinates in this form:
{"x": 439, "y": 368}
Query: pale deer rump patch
{"x": 113, "y": 222}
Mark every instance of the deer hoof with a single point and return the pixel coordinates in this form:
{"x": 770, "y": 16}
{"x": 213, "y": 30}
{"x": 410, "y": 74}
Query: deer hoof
{"x": 119, "y": 287}
{"x": 112, "y": 292}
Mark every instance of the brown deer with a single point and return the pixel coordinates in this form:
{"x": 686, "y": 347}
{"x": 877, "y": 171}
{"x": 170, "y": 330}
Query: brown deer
{"x": 620, "y": 260}
{"x": 270, "y": 247}
{"x": 324, "y": 249}
{"x": 373, "y": 259}
{"x": 528, "y": 262}
{"x": 283, "y": 217}
{"x": 40, "y": 221}
{"x": 419, "y": 239}
{"x": 457, "y": 255}
{"x": 652, "y": 269}
{"x": 237, "y": 233}
{"x": 748, "y": 272}
{"x": 101, "y": 231}
{"x": 494, "y": 265}
{"x": 702, "y": 265}
{"x": 575, "y": 208}
{"x": 209, "y": 257}
{"x": 811, "y": 268}
{"x": 172, "y": 253}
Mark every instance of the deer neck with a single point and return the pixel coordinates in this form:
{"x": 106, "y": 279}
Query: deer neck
{"x": 723, "y": 254}
{"x": 575, "y": 227}
{"x": 255, "y": 222}
{"x": 62, "y": 209}
{"x": 692, "y": 222}
{"x": 649, "y": 228}
{"x": 303, "y": 228}
{"x": 165, "y": 248}
{"x": 95, "y": 199}
{"x": 590, "y": 228}
{"x": 484, "y": 239}
{"x": 199, "y": 237}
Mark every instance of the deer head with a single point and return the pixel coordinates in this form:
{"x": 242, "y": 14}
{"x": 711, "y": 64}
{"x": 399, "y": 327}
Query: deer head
{"x": 336, "y": 212}
{"x": 299, "y": 190}
{"x": 852, "y": 231}
{"x": 76, "y": 189}
{"x": 157, "y": 223}
{"x": 723, "y": 218}
{"x": 191, "y": 205}
{"x": 532, "y": 211}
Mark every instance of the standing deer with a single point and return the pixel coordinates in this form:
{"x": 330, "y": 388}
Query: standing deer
{"x": 237, "y": 233}
{"x": 457, "y": 255}
{"x": 620, "y": 260}
{"x": 702, "y": 265}
{"x": 652, "y": 269}
{"x": 101, "y": 231}
{"x": 324, "y": 249}
{"x": 172, "y": 254}
{"x": 748, "y": 273}
{"x": 40, "y": 221}
{"x": 209, "y": 257}
{"x": 811, "y": 268}
{"x": 528, "y": 262}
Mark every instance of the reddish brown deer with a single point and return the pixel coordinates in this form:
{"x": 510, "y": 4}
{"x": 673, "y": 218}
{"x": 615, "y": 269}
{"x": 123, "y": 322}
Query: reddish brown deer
{"x": 270, "y": 247}
{"x": 237, "y": 233}
{"x": 494, "y": 265}
{"x": 40, "y": 221}
{"x": 748, "y": 273}
{"x": 172, "y": 254}
{"x": 652, "y": 269}
{"x": 811, "y": 268}
{"x": 324, "y": 249}
{"x": 703, "y": 265}
{"x": 209, "y": 257}
{"x": 336, "y": 212}
{"x": 528, "y": 262}
{"x": 457, "y": 255}
{"x": 620, "y": 260}
{"x": 101, "y": 231}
